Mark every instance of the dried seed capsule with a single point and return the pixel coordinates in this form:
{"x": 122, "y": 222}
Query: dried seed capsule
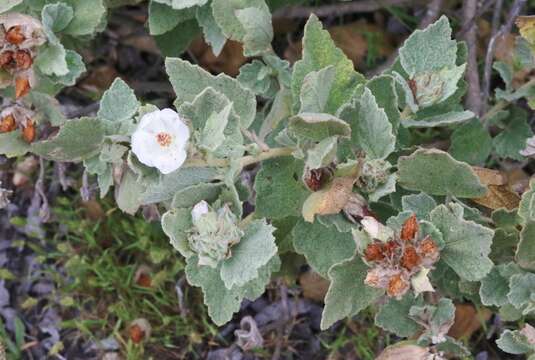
{"x": 22, "y": 87}
{"x": 23, "y": 59}
{"x": 390, "y": 247}
{"x": 29, "y": 132}
{"x": 397, "y": 286}
{"x": 15, "y": 36}
{"x": 6, "y": 59}
{"x": 374, "y": 252}
{"x": 8, "y": 124}
{"x": 316, "y": 178}
{"x": 428, "y": 250}
{"x": 139, "y": 330}
{"x": 410, "y": 258}
{"x": 409, "y": 229}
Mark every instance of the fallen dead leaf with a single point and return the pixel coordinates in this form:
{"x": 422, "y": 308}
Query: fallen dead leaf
{"x": 499, "y": 194}
{"x": 467, "y": 321}
{"x": 314, "y": 286}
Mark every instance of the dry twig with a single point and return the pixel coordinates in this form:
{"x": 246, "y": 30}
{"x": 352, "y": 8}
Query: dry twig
{"x": 473, "y": 98}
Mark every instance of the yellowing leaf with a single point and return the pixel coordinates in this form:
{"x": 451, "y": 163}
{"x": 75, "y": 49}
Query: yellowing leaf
{"x": 330, "y": 200}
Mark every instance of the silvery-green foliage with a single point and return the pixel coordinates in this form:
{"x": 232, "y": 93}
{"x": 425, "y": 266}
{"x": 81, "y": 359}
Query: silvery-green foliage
{"x": 325, "y": 141}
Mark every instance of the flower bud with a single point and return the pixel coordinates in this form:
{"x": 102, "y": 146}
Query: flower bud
{"x": 7, "y": 124}
{"x": 22, "y": 87}
{"x": 199, "y": 210}
{"x": 139, "y": 330}
{"x": 29, "y": 132}
{"x": 14, "y": 35}
{"x": 23, "y": 60}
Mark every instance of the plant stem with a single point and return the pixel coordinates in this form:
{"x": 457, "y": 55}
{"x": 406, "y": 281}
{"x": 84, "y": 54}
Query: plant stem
{"x": 244, "y": 161}
{"x": 499, "y": 106}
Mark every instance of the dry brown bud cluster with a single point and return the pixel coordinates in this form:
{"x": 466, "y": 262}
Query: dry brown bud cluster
{"x": 396, "y": 261}
{"x": 20, "y": 37}
{"x": 18, "y": 117}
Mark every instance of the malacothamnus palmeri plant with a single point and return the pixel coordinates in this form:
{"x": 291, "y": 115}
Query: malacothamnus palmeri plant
{"x": 341, "y": 181}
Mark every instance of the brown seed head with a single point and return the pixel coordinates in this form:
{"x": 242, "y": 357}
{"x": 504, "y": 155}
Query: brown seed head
{"x": 374, "y": 252}
{"x": 144, "y": 280}
{"x": 428, "y": 249}
{"x": 410, "y": 258}
{"x": 29, "y": 132}
{"x": 6, "y": 59}
{"x": 409, "y": 229}
{"x": 8, "y": 124}
{"x": 22, "y": 87}
{"x": 23, "y": 59}
{"x": 315, "y": 179}
{"x": 15, "y": 36}
{"x": 390, "y": 247}
{"x": 397, "y": 286}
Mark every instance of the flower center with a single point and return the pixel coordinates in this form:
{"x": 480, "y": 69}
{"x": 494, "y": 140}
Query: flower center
{"x": 164, "y": 139}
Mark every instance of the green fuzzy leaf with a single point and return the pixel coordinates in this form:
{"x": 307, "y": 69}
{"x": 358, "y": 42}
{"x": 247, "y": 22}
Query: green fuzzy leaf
{"x": 471, "y": 143}
{"x": 212, "y": 135}
{"x": 258, "y": 30}
{"x": 88, "y": 16}
{"x": 191, "y": 195}
{"x": 512, "y": 139}
{"x": 209, "y": 110}
{"x": 322, "y": 246}
{"x": 168, "y": 185}
{"x": 183, "y": 4}
{"x": 513, "y": 342}
{"x": 525, "y": 253}
{"x": 386, "y": 188}
{"x": 319, "y": 51}
{"x": 322, "y": 154}
{"x": 225, "y": 14}
{"x": 57, "y": 16}
{"x": 105, "y": 181}
{"x": 12, "y": 144}
{"x": 75, "y": 66}
{"x": 438, "y": 318}
{"x": 420, "y": 204}
{"x": 77, "y": 140}
{"x": 430, "y": 49}
{"x": 127, "y": 196}
{"x": 383, "y": 88}
{"x": 467, "y": 244}
{"x": 436, "y": 173}
{"x": 371, "y": 130}
{"x": 174, "y": 42}
{"x": 255, "y": 249}
{"x": 259, "y": 78}
{"x": 317, "y": 126}
{"x": 47, "y": 106}
{"x": 347, "y": 294}
{"x": 522, "y": 288}
{"x": 51, "y": 60}
{"x": 316, "y": 89}
{"x": 222, "y": 302}
{"x": 445, "y": 119}
{"x": 118, "y": 102}
{"x": 8, "y": 4}
{"x": 526, "y": 208}
{"x": 163, "y": 18}
{"x": 175, "y": 224}
{"x": 394, "y": 316}
{"x": 190, "y": 80}
{"x": 212, "y": 32}
{"x": 279, "y": 191}
{"x": 495, "y": 286}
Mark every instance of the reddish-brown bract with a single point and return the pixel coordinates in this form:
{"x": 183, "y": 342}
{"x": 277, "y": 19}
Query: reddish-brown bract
{"x": 409, "y": 229}
{"x": 14, "y": 35}
{"x": 6, "y": 59}
{"x": 8, "y": 124}
{"x": 23, "y": 59}
{"x": 374, "y": 252}
{"x": 397, "y": 285}
{"x": 410, "y": 258}
{"x": 22, "y": 87}
{"x": 29, "y": 132}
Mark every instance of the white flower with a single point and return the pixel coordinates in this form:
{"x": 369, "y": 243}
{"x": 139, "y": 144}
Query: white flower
{"x": 161, "y": 140}
{"x": 199, "y": 210}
